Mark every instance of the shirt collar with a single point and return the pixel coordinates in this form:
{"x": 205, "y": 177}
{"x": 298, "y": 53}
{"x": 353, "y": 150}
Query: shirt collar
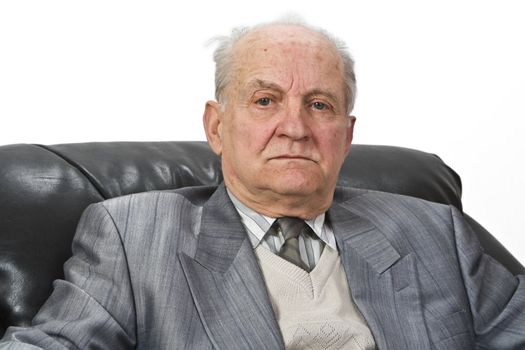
{"x": 257, "y": 224}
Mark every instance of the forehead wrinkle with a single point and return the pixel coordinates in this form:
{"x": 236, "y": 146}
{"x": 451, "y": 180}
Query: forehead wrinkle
{"x": 259, "y": 53}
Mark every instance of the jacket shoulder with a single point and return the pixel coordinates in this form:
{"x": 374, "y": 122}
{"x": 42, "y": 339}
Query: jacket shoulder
{"x": 195, "y": 195}
{"x": 180, "y": 207}
{"x": 401, "y": 218}
{"x": 348, "y": 196}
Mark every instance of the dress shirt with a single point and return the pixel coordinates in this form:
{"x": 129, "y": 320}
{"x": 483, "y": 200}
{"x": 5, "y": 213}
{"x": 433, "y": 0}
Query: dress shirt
{"x": 258, "y": 229}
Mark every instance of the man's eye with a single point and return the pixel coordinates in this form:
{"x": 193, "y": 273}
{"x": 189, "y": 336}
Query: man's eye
{"x": 265, "y": 101}
{"x": 320, "y": 106}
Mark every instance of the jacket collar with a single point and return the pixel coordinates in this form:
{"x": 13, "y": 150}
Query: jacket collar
{"x": 226, "y": 282}
{"x": 382, "y": 281}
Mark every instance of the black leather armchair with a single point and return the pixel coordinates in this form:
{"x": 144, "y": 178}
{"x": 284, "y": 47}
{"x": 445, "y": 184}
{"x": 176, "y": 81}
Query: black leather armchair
{"x": 44, "y": 189}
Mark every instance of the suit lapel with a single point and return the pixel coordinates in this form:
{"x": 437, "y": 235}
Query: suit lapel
{"x": 383, "y": 283}
{"x": 226, "y": 283}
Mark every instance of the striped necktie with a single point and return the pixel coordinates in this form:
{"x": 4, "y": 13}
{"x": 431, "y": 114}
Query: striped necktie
{"x": 291, "y": 228}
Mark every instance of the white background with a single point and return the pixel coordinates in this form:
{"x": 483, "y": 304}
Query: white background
{"x": 445, "y": 77}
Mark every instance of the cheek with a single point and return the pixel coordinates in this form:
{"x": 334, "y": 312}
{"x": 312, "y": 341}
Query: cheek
{"x": 251, "y": 136}
{"x": 333, "y": 145}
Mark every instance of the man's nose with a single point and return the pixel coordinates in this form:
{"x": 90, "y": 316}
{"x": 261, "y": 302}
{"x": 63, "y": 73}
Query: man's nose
{"x": 293, "y": 122}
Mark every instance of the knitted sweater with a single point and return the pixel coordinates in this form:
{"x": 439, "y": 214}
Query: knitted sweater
{"x": 314, "y": 310}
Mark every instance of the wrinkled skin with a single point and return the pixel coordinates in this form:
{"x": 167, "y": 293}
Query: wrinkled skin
{"x": 283, "y": 131}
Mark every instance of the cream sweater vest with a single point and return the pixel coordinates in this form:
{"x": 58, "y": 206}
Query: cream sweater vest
{"x": 314, "y": 310}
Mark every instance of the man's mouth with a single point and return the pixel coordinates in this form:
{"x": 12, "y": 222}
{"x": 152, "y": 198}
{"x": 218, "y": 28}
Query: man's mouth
{"x": 292, "y": 157}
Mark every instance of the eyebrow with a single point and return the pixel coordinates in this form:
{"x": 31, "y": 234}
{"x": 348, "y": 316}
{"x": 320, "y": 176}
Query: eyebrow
{"x": 264, "y": 84}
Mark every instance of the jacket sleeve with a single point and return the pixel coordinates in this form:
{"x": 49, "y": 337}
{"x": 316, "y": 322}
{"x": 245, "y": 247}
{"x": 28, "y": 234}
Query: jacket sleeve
{"x": 93, "y": 307}
{"x": 496, "y": 297}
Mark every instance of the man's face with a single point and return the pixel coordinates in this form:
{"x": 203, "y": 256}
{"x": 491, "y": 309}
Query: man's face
{"x": 284, "y": 132}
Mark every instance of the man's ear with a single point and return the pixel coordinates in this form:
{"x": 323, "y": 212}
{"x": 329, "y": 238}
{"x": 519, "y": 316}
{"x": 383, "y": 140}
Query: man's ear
{"x": 349, "y": 133}
{"x": 212, "y": 120}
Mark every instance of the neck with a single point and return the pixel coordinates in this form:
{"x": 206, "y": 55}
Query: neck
{"x": 277, "y": 205}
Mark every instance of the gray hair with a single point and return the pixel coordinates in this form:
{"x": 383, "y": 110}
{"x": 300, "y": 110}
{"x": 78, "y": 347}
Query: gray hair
{"x": 223, "y": 56}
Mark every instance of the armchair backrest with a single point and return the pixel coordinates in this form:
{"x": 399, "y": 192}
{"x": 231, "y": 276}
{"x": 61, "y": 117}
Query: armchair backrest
{"x": 44, "y": 190}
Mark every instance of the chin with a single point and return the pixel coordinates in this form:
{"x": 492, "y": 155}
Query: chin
{"x": 296, "y": 187}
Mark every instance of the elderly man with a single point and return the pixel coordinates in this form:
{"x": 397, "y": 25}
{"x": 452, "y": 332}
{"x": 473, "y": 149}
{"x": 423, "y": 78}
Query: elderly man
{"x": 277, "y": 257}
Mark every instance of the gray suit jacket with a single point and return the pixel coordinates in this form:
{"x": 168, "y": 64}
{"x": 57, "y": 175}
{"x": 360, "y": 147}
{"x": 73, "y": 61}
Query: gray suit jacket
{"x": 175, "y": 270}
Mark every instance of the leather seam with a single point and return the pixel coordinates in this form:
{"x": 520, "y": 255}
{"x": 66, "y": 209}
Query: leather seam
{"x": 77, "y": 166}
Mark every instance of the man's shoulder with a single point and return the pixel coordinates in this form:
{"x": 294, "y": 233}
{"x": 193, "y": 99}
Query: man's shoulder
{"x": 351, "y": 197}
{"x": 196, "y": 195}
{"x": 157, "y": 202}
{"x": 401, "y": 218}
{"x": 179, "y": 209}
{"x": 344, "y": 194}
